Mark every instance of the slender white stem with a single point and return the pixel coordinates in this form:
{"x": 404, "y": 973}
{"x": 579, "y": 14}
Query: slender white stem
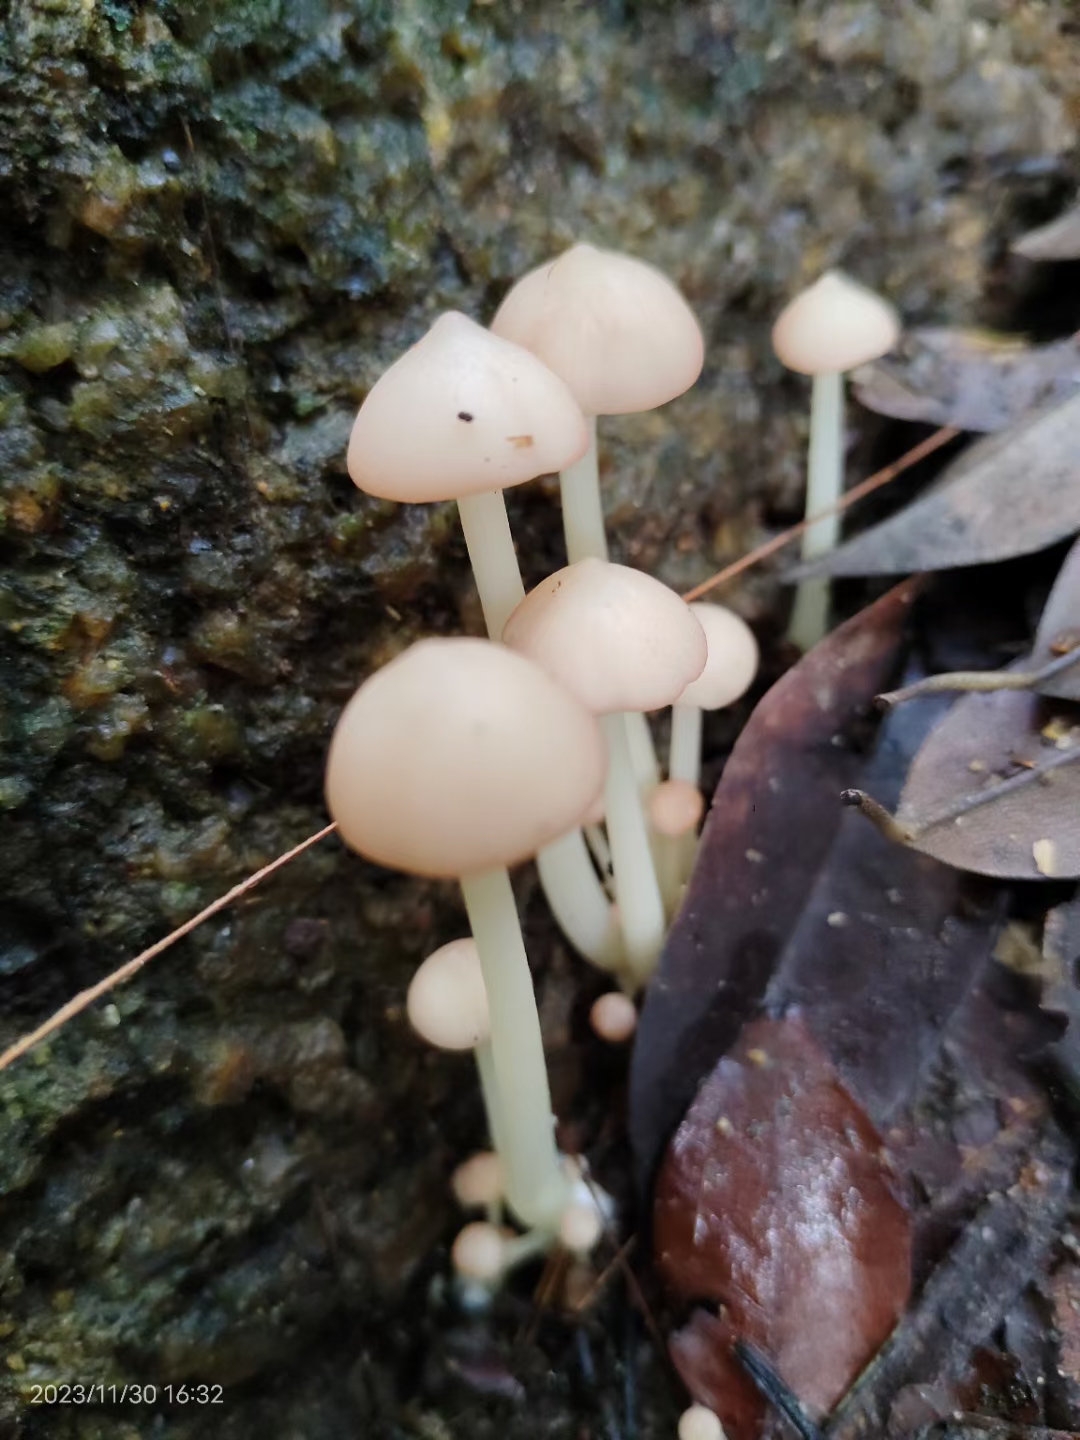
{"x": 684, "y": 757}
{"x": 824, "y": 484}
{"x": 642, "y": 750}
{"x": 578, "y": 900}
{"x": 536, "y": 1187}
{"x": 582, "y": 510}
{"x": 489, "y": 1089}
{"x": 494, "y": 560}
{"x": 637, "y": 891}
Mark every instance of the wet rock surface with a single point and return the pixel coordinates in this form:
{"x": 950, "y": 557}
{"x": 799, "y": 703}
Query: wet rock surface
{"x": 221, "y": 221}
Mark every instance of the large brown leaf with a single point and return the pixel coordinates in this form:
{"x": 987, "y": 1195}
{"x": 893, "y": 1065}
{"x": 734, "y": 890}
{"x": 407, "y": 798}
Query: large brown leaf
{"x": 1010, "y": 494}
{"x": 773, "y": 819}
{"x": 968, "y": 378}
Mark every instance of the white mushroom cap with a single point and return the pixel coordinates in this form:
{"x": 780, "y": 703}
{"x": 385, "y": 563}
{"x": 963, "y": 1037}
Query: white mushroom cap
{"x": 461, "y": 413}
{"x": 614, "y": 637}
{"x": 615, "y": 329}
{"x": 675, "y": 807}
{"x": 478, "y": 1180}
{"x": 459, "y": 757}
{"x": 581, "y": 1226}
{"x": 479, "y": 1252}
{"x": 447, "y": 1004}
{"x": 614, "y": 1017}
{"x": 732, "y": 662}
{"x": 834, "y": 326}
{"x": 699, "y": 1423}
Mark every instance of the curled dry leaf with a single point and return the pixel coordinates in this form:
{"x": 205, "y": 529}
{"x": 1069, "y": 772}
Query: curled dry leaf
{"x": 970, "y": 379}
{"x": 1010, "y": 494}
{"x": 777, "y": 1200}
{"x": 1059, "y": 630}
{"x": 996, "y": 789}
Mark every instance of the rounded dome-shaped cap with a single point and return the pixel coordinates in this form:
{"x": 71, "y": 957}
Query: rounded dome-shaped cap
{"x": 613, "y": 1017}
{"x": 675, "y": 807}
{"x": 478, "y": 1180}
{"x": 458, "y": 757}
{"x": 833, "y": 326}
{"x": 479, "y": 1252}
{"x": 732, "y": 662}
{"x": 614, "y": 637}
{"x": 447, "y": 1004}
{"x": 461, "y": 413}
{"x": 698, "y": 1423}
{"x": 615, "y": 329}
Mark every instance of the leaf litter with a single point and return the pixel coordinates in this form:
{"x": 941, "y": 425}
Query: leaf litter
{"x": 1010, "y": 493}
{"x": 875, "y": 1014}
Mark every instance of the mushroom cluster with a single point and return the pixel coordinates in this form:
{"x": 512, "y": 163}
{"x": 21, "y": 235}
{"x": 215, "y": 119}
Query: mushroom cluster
{"x": 464, "y": 757}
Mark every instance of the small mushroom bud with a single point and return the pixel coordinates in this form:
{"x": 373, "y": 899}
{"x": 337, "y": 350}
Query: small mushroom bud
{"x": 614, "y": 1017}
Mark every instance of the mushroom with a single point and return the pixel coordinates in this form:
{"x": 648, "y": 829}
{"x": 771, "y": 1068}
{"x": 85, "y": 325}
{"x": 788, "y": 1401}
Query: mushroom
{"x": 461, "y": 416}
{"x": 700, "y": 1423}
{"x": 447, "y": 1006}
{"x": 613, "y": 1017}
{"x": 828, "y": 329}
{"x": 729, "y": 671}
{"x": 458, "y": 759}
{"x": 623, "y": 339}
{"x": 619, "y": 641}
{"x": 477, "y": 1182}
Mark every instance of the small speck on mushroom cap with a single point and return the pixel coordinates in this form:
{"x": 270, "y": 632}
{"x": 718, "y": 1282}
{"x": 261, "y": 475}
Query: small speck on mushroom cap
{"x": 614, "y": 328}
{"x": 614, "y": 637}
{"x": 732, "y": 661}
{"x": 452, "y": 415}
{"x": 833, "y": 326}
{"x": 461, "y": 756}
{"x": 447, "y": 1004}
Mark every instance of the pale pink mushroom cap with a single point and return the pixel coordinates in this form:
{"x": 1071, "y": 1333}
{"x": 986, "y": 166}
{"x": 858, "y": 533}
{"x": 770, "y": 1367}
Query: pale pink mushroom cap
{"x": 699, "y": 1423}
{"x": 447, "y": 1004}
{"x": 461, "y": 413}
{"x": 479, "y": 1252}
{"x": 581, "y": 1226}
{"x": 675, "y": 807}
{"x": 833, "y": 326}
{"x": 458, "y": 757}
{"x": 613, "y": 1017}
{"x": 732, "y": 661}
{"x": 614, "y": 637}
{"x": 615, "y": 329}
{"x": 478, "y": 1180}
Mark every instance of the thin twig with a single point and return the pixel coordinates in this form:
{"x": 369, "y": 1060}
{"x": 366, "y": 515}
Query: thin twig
{"x": 866, "y": 487}
{"x": 86, "y": 998}
{"x": 775, "y": 1390}
{"x": 978, "y": 682}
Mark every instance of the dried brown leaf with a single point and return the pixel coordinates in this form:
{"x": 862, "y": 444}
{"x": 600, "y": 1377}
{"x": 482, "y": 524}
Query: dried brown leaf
{"x": 1010, "y": 494}
{"x": 996, "y": 789}
{"x": 1059, "y": 629}
{"x": 971, "y": 379}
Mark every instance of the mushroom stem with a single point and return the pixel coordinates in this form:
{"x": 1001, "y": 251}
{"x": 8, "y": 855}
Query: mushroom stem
{"x": 824, "y": 483}
{"x": 489, "y": 1089}
{"x": 684, "y": 757}
{"x": 642, "y": 750}
{"x": 494, "y": 560}
{"x": 583, "y": 512}
{"x": 536, "y": 1187}
{"x": 637, "y": 891}
{"x": 578, "y": 900}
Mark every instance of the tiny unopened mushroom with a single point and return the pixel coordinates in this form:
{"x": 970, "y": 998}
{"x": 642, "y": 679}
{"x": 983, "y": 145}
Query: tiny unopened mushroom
{"x": 461, "y": 416}
{"x": 700, "y": 1423}
{"x": 477, "y": 1182}
{"x": 729, "y": 672}
{"x": 478, "y": 1252}
{"x": 613, "y": 1017}
{"x": 620, "y": 642}
{"x": 581, "y": 1226}
{"x": 675, "y": 808}
{"x": 830, "y": 328}
{"x": 447, "y": 1006}
{"x": 622, "y": 337}
{"x": 458, "y": 759}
